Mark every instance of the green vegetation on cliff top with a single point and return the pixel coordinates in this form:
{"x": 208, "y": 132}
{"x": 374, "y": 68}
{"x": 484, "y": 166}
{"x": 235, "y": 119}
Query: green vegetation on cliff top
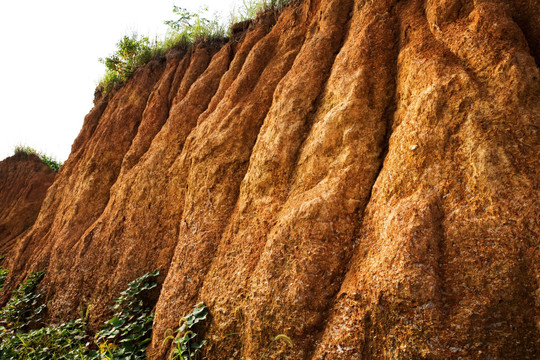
{"x": 49, "y": 161}
{"x": 189, "y": 28}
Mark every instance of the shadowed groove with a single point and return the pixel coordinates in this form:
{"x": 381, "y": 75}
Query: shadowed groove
{"x": 387, "y": 95}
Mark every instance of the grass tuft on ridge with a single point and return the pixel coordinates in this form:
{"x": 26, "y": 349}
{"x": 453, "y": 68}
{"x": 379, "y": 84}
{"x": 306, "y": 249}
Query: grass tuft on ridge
{"x": 49, "y": 161}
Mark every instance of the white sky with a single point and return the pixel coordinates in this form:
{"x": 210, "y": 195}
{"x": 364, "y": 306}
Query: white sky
{"x": 49, "y": 64}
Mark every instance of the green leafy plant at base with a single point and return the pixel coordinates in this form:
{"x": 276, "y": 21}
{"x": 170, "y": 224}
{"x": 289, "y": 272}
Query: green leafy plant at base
{"x": 66, "y": 341}
{"x": 22, "y": 308}
{"x": 123, "y": 337}
{"x": 127, "y": 333}
{"x": 49, "y": 161}
{"x": 63, "y": 342}
{"x": 187, "y": 346}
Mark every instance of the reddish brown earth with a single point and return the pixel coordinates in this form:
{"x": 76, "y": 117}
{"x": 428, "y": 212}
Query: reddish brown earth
{"x": 361, "y": 176}
{"x": 24, "y": 181}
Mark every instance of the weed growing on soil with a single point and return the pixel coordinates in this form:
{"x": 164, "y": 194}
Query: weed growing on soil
{"x": 187, "y": 344}
{"x": 284, "y": 338}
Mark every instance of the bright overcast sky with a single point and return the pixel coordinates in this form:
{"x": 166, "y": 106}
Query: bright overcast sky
{"x": 49, "y": 62}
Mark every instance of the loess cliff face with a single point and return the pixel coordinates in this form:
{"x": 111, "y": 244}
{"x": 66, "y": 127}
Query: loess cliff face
{"x": 24, "y": 181}
{"x": 361, "y": 176}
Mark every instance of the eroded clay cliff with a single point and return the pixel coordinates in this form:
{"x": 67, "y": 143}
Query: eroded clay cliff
{"x": 24, "y": 181}
{"x": 361, "y": 176}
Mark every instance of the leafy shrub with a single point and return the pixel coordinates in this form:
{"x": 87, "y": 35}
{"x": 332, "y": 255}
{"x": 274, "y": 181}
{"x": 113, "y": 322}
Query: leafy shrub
{"x": 49, "y": 161}
{"x": 132, "y": 52}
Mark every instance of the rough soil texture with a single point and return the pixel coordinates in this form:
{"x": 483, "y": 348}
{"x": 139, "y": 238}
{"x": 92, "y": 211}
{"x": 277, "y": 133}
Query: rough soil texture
{"x": 361, "y": 176}
{"x": 24, "y": 181}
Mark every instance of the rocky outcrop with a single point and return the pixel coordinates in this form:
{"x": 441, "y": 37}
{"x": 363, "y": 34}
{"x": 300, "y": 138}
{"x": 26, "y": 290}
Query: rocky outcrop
{"x": 24, "y": 181}
{"x": 361, "y": 176}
